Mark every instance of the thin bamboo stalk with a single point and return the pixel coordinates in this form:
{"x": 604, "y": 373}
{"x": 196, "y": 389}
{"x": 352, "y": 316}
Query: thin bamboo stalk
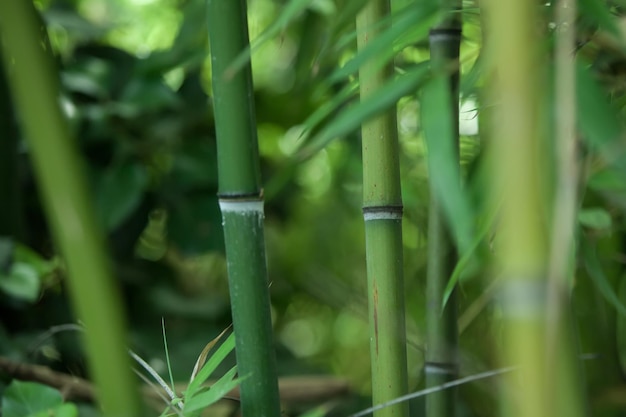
{"x": 563, "y": 372}
{"x": 241, "y": 202}
{"x": 520, "y": 244}
{"x": 382, "y": 210}
{"x": 441, "y": 326}
{"x": 35, "y": 90}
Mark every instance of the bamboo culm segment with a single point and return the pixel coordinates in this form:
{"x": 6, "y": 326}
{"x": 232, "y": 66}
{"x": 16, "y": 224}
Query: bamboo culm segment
{"x": 520, "y": 245}
{"x": 241, "y": 204}
{"x": 35, "y": 89}
{"x": 382, "y": 202}
{"x": 248, "y": 285}
{"x": 441, "y": 326}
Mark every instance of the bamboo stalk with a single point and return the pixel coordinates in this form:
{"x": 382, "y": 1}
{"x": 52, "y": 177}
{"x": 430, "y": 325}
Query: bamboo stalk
{"x": 35, "y": 90}
{"x": 563, "y": 372}
{"x": 382, "y": 211}
{"x": 241, "y": 203}
{"x": 441, "y": 326}
{"x": 520, "y": 244}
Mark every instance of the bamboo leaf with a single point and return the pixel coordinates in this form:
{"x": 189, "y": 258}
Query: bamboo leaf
{"x": 119, "y": 192}
{"x": 210, "y": 395}
{"x": 464, "y": 260}
{"x": 352, "y": 117}
{"x": 599, "y": 12}
{"x": 291, "y": 11}
{"x": 598, "y": 277}
{"x": 597, "y": 119}
{"x": 330, "y": 106}
{"x": 595, "y": 218}
{"x": 205, "y": 352}
{"x": 607, "y": 180}
{"x": 443, "y": 169}
{"x": 416, "y": 17}
{"x": 210, "y": 366}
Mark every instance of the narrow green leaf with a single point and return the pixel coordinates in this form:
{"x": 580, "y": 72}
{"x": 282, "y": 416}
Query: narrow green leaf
{"x": 291, "y": 11}
{"x": 595, "y": 218}
{"x": 443, "y": 167}
{"x": 330, "y": 106}
{"x": 418, "y": 16}
{"x": 216, "y": 358}
{"x": 352, "y": 117}
{"x": 598, "y": 277}
{"x": 210, "y": 395}
{"x": 464, "y": 260}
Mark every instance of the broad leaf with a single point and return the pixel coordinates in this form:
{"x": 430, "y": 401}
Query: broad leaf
{"x": 597, "y": 119}
{"x": 594, "y": 268}
{"x": 119, "y": 193}
{"x": 595, "y": 218}
{"x": 23, "y": 399}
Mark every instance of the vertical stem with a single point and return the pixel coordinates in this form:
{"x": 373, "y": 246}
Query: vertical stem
{"x": 520, "y": 243}
{"x": 69, "y": 210}
{"x": 562, "y": 370}
{"x": 442, "y": 334}
{"x": 241, "y": 202}
{"x": 382, "y": 210}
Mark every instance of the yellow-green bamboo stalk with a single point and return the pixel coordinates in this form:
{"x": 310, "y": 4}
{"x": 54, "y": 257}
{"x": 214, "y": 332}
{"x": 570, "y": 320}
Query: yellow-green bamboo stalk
{"x": 562, "y": 370}
{"x": 520, "y": 243}
{"x": 241, "y": 202}
{"x": 441, "y": 326}
{"x": 382, "y": 210}
{"x": 69, "y": 211}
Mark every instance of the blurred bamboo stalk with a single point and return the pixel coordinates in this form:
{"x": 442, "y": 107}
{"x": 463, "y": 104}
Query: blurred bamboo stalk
{"x": 520, "y": 245}
{"x": 563, "y": 371}
{"x": 241, "y": 203}
{"x": 35, "y": 89}
{"x": 382, "y": 212}
{"x": 441, "y": 326}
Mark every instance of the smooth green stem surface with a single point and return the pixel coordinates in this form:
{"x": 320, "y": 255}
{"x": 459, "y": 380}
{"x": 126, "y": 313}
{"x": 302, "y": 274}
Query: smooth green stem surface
{"x": 382, "y": 208}
{"x": 241, "y": 202}
{"x": 441, "y": 326}
{"x": 520, "y": 243}
{"x": 68, "y": 208}
{"x": 249, "y": 296}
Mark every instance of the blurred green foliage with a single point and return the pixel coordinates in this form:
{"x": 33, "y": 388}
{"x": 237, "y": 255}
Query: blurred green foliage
{"x": 136, "y": 82}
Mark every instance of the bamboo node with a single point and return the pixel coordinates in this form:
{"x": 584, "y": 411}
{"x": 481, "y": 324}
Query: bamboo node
{"x": 382, "y": 213}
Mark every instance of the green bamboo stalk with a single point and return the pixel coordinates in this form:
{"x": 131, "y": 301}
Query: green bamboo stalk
{"x": 382, "y": 211}
{"x": 563, "y": 372}
{"x": 441, "y": 326}
{"x": 35, "y": 89}
{"x": 520, "y": 243}
{"x": 241, "y": 202}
